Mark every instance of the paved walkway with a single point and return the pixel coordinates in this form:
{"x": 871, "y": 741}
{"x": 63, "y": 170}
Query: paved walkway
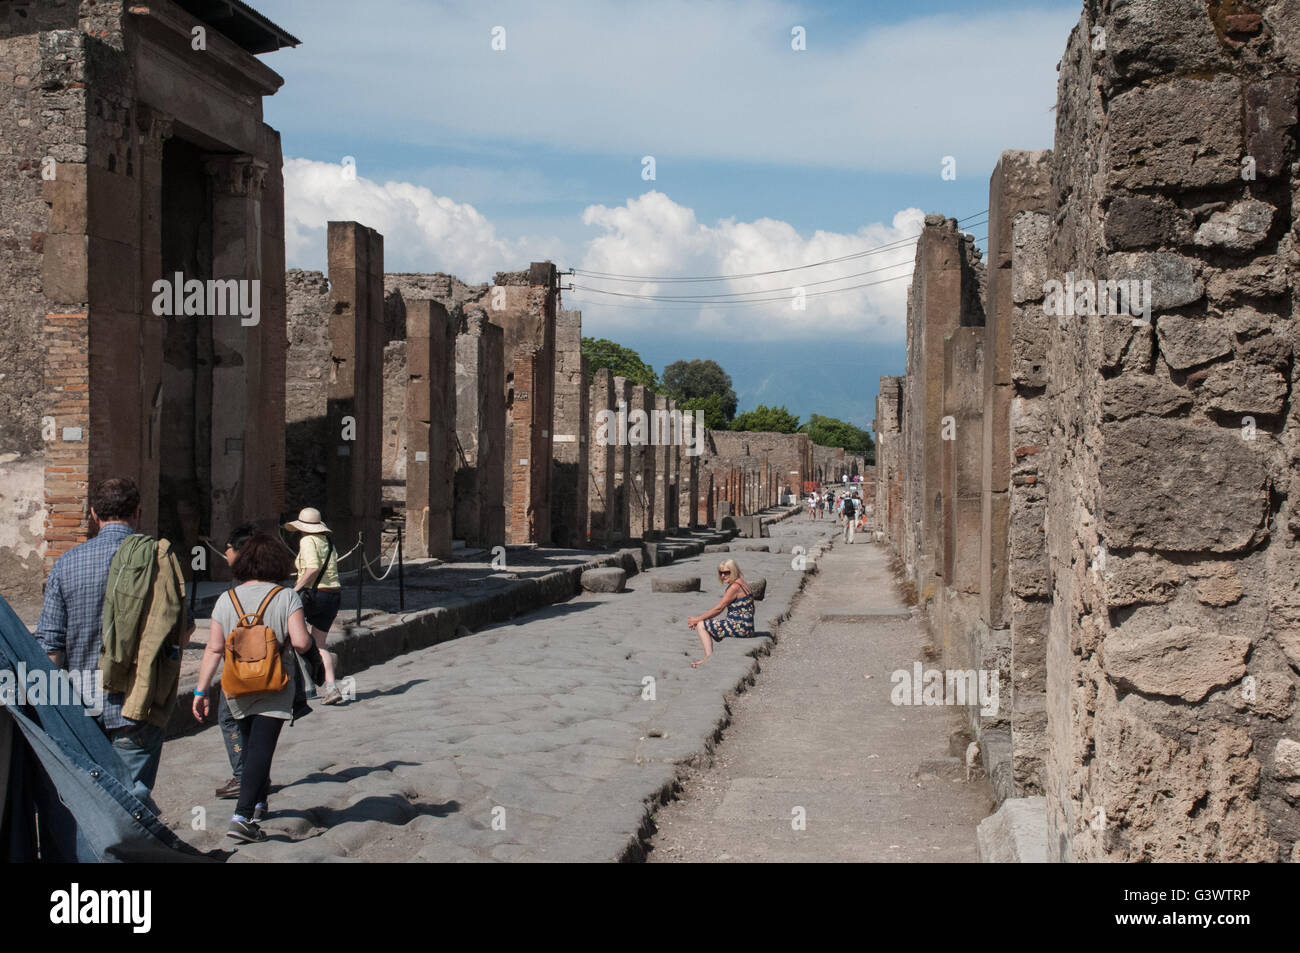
{"x": 875, "y": 782}
{"x": 531, "y": 740}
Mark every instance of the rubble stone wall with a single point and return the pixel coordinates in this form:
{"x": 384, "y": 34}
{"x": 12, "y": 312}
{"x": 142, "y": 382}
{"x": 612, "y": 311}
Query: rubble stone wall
{"x": 1173, "y": 443}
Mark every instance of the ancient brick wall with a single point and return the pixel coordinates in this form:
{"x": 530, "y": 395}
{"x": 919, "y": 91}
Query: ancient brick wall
{"x": 122, "y": 381}
{"x": 1171, "y": 464}
{"x": 39, "y": 355}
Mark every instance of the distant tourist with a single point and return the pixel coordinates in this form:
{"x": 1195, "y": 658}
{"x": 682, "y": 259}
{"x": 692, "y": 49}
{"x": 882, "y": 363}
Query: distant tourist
{"x": 850, "y": 505}
{"x": 319, "y": 588}
{"x": 812, "y": 505}
{"x": 257, "y": 606}
{"x": 149, "y": 613}
{"x": 737, "y": 602}
{"x": 230, "y": 732}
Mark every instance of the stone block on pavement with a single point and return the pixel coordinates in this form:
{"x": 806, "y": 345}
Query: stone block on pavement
{"x": 678, "y": 584}
{"x": 611, "y": 579}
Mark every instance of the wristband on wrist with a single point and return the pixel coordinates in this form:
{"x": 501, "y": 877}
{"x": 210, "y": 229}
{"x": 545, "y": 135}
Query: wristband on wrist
{"x": 199, "y": 694}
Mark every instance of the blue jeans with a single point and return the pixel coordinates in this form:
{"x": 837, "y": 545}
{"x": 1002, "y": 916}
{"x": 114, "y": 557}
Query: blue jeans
{"x": 230, "y": 735}
{"x": 139, "y": 747}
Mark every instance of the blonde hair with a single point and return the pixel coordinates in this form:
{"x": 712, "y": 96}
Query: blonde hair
{"x": 730, "y": 565}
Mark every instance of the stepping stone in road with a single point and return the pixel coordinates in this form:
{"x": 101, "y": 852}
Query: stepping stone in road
{"x": 758, "y": 548}
{"x": 758, "y": 586}
{"x": 680, "y": 584}
{"x": 718, "y": 548}
{"x": 608, "y": 579}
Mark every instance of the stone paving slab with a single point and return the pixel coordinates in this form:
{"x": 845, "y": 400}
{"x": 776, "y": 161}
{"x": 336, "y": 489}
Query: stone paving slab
{"x": 531, "y": 740}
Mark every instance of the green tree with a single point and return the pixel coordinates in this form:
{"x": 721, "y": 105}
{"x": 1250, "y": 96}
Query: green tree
{"x": 830, "y": 432}
{"x": 715, "y": 415}
{"x": 694, "y": 380}
{"x": 623, "y": 361}
{"x": 764, "y": 419}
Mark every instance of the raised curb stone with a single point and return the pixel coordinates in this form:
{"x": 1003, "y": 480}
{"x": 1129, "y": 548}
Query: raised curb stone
{"x": 604, "y": 580}
{"x": 668, "y": 584}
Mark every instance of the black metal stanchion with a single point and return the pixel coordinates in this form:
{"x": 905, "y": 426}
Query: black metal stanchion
{"x": 401, "y": 577}
{"x": 361, "y": 574}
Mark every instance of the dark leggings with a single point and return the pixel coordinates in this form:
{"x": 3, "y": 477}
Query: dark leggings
{"x": 260, "y": 733}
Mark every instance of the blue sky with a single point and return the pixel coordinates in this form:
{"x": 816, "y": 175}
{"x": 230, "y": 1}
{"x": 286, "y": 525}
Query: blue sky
{"x": 475, "y": 160}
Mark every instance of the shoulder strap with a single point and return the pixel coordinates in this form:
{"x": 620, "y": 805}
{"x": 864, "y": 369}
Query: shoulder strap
{"x": 329, "y": 551}
{"x": 275, "y": 591}
{"x": 239, "y": 610}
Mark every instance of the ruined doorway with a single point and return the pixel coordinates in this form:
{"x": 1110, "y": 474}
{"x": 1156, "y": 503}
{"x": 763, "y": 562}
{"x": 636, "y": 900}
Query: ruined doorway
{"x": 185, "y": 403}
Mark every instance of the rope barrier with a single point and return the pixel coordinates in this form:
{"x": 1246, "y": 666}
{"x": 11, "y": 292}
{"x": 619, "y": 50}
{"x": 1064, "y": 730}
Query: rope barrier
{"x": 391, "y": 563}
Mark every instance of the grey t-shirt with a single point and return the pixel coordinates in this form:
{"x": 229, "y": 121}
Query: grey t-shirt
{"x": 286, "y": 603}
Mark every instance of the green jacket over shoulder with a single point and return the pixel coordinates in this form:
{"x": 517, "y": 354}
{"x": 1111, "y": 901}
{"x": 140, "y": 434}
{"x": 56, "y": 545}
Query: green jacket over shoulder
{"x": 144, "y": 628}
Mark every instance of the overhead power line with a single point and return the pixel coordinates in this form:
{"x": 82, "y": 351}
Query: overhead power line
{"x": 608, "y": 276}
{"x": 693, "y": 303}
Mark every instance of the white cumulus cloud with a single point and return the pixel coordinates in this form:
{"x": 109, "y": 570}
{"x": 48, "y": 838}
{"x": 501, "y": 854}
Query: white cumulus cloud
{"x": 843, "y": 291}
{"x": 422, "y": 231}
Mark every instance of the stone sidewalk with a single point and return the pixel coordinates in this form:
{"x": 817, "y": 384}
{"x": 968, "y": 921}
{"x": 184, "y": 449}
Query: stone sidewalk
{"x": 529, "y": 740}
{"x": 875, "y": 781}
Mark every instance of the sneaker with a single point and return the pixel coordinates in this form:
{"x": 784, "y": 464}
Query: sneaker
{"x": 259, "y": 812}
{"x": 229, "y": 791}
{"x": 331, "y": 695}
{"x": 246, "y": 832}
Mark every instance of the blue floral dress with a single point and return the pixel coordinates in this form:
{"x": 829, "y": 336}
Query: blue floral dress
{"x": 737, "y": 623}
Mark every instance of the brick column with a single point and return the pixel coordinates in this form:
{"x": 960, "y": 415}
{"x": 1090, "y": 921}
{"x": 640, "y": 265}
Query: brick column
{"x": 479, "y": 516}
{"x": 353, "y": 486}
{"x": 602, "y": 513}
{"x": 569, "y": 442}
{"x": 430, "y": 430}
{"x": 521, "y": 524}
{"x": 661, "y": 434}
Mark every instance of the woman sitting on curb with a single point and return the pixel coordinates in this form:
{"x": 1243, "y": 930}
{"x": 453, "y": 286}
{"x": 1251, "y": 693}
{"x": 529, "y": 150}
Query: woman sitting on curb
{"x": 737, "y": 600}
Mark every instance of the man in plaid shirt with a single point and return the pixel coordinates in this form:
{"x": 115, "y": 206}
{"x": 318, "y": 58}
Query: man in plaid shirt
{"x": 71, "y": 617}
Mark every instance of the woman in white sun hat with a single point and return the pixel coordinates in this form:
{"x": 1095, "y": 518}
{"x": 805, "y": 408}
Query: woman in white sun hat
{"x": 319, "y": 588}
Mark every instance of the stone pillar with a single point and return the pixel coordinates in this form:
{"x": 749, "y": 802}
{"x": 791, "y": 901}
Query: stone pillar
{"x": 943, "y": 297}
{"x": 237, "y": 183}
{"x": 522, "y": 518}
{"x": 570, "y": 448}
{"x": 1013, "y": 589}
{"x": 661, "y": 432}
{"x": 621, "y": 523}
{"x": 353, "y": 486}
{"x": 602, "y": 511}
{"x": 523, "y": 304}
{"x": 960, "y": 441}
{"x": 480, "y": 433}
{"x": 641, "y": 483}
{"x": 430, "y": 430}
{"x": 689, "y": 474}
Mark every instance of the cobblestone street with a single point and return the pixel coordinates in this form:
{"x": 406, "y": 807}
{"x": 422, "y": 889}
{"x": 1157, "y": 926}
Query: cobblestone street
{"x": 818, "y": 733}
{"x": 537, "y": 725}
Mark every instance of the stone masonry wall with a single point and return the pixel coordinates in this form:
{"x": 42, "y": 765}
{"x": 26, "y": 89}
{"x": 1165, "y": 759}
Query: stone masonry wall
{"x": 1173, "y": 504}
{"x": 306, "y": 388}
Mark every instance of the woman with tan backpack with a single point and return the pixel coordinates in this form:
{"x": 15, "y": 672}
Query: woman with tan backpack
{"x": 255, "y": 629}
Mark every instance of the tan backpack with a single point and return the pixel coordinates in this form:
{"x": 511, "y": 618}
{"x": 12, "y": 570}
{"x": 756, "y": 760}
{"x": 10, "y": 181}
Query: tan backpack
{"x": 253, "y": 664}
